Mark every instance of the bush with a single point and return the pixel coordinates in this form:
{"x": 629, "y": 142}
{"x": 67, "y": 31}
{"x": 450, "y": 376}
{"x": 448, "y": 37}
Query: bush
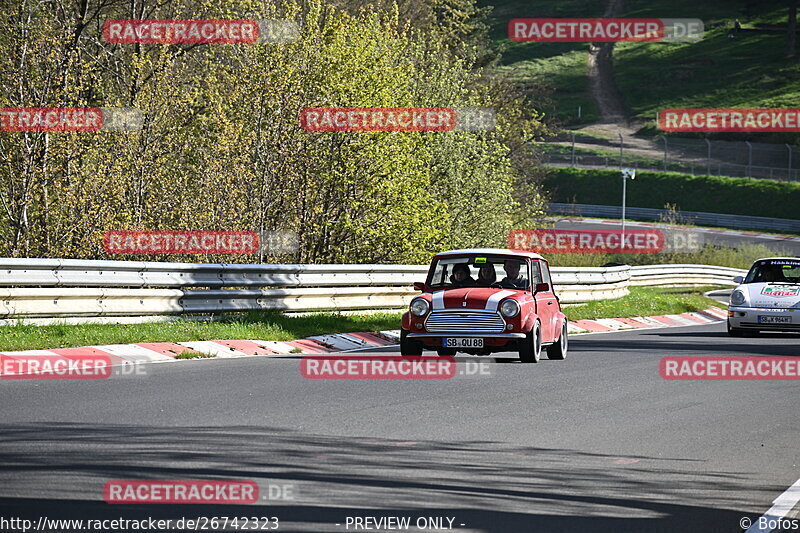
{"x": 710, "y": 194}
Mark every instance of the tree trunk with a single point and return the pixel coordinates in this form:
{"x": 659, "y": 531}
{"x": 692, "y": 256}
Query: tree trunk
{"x": 791, "y": 40}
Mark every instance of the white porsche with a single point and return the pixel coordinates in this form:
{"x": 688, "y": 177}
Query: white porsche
{"x": 767, "y": 299}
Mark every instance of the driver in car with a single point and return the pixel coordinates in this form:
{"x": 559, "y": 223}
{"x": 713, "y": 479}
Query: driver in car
{"x": 513, "y": 279}
{"x": 772, "y": 274}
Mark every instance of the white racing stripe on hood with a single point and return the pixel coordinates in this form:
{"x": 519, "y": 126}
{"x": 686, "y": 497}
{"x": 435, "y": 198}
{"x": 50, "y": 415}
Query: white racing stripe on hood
{"x": 494, "y": 300}
{"x": 438, "y": 300}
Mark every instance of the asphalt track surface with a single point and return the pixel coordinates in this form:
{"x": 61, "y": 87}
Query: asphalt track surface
{"x": 778, "y": 246}
{"x": 596, "y": 443}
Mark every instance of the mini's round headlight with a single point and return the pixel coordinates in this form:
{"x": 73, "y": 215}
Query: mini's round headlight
{"x": 737, "y": 297}
{"x": 509, "y": 308}
{"x": 420, "y": 307}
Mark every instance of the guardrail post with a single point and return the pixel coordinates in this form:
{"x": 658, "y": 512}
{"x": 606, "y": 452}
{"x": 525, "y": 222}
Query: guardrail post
{"x": 573, "y": 146}
{"x": 749, "y": 158}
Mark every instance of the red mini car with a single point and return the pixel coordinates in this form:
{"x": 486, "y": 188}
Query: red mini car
{"x": 481, "y": 301}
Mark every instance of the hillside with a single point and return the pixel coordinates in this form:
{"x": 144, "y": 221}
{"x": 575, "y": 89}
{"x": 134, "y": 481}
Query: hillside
{"x": 749, "y": 70}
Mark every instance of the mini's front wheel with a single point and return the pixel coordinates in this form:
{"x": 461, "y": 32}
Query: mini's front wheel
{"x": 530, "y": 349}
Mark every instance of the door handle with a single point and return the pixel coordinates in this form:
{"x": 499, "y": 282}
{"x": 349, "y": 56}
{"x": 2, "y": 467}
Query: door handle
{"x": 549, "y": 303}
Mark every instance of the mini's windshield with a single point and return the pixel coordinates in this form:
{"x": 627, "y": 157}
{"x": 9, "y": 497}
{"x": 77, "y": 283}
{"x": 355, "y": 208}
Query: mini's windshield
{"x": 479, "y": 271}
{"x": 774, "y": 271}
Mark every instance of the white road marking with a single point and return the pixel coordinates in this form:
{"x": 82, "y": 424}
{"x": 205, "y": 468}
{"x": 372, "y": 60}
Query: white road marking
{"x": 781, "y": 507}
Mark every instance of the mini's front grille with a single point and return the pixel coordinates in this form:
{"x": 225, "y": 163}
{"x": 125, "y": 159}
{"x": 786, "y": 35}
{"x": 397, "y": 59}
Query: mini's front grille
{"x": 465, "y": 321}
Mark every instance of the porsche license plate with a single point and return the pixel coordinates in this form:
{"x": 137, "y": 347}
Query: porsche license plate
{"x": 762, "y": 319}
{"x": 462, "y": 342}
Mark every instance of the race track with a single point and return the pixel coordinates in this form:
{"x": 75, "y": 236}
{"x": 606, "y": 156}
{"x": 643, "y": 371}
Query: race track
{"x": 599, "y": 442}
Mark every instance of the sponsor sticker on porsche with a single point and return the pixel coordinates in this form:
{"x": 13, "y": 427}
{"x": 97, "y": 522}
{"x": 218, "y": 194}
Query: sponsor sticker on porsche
{"x": 780, "y": 292}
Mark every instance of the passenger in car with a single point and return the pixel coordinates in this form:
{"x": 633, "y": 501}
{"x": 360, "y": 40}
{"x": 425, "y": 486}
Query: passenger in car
{"x": 461, "y": 276}
{"x": 487, "y": 276}
{"x": 513, "y": 279}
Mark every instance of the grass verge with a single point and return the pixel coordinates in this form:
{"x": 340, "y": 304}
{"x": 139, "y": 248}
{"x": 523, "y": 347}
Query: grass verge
{"x": 261, "y": 326}
{"x": 645, "y": 301}
{"x": 276, "y": 327}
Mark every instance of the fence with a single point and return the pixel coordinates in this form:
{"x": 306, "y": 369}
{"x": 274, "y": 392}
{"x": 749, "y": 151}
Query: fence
{"x": 689, "y": 217}
{"x": 692, "y": 156}
{"x": 37, "y": 288}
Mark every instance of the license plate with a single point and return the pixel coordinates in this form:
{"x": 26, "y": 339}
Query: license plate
{"x": 762, "y": 319}
{"x": 462, "y": 342}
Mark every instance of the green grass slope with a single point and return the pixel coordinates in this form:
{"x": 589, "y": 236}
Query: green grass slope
{"x": 748, "y": 71}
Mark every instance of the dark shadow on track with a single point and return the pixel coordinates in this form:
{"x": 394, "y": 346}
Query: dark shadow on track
{"x": 58, "y": 470}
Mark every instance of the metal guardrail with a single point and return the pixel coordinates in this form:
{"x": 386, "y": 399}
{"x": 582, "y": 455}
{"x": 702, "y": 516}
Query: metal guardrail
{"x": 37, "y": 288}
{"x": 683, "y": 275}
{"x": 692, "y": 217}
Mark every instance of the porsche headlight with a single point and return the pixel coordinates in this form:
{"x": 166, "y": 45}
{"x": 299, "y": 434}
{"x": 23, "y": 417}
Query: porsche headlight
{"x": 738, "y": 297}
{"x": 509, "y": 308}
{"x": 420, "y": 307}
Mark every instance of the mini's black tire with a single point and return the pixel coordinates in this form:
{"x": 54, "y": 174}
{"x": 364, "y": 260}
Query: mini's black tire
{"x": 530, "y": 349}
{"x": 558, "y": 350}
{"x": 409, "y": 347}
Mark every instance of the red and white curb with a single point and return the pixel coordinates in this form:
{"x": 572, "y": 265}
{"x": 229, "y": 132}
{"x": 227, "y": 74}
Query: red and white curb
{"x": 146, "y": 352}
{"x": 599, "y": 325}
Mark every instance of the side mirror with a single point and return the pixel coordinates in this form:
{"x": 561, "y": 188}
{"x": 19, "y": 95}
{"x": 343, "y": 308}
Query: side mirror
{"x": 738, "y": 279}
{"x": 542, "y": 287}
{"x": 419, "y": 285}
